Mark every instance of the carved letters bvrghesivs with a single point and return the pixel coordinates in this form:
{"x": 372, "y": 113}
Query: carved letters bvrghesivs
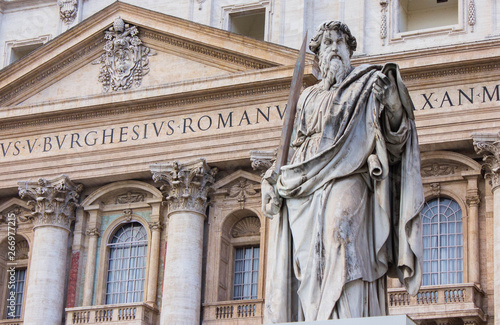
{"x": 125, "y": 60}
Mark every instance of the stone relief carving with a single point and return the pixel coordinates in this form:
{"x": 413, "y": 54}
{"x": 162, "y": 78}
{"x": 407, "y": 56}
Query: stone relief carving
{"x": 471, "y": 14}
{"x": 125, "y": 61}
{"x": 128, "y": 214}
{"x": 488, "y": 145}
{"x": 435, "y": 189}
{"x": 54, "y": 200}
{"x": 93, "y": 232}
{"x": 22, "y": 249}
{"x": 67, "y": 10}
{"x": 438, "y": 169}
{"x": 19, "y": 212}
{"x": 262, "y": 160}
{"x": 249, "y": 226}
{"x": 186, "y": 186}
{"x": 130, "y": 197}
{"x": 155, "y": 225}
{"x": 383, "y": 20}
{"x": 241, "y": 190}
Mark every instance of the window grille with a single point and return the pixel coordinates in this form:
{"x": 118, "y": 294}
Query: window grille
{"x": 127, "y": 264}
{"x": 246, "y": 273}
{"x": 443, "y": 242}
{"x": 18, "y": 291}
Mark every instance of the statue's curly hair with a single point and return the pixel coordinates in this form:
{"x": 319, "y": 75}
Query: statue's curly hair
{"x": 315, "y": 42}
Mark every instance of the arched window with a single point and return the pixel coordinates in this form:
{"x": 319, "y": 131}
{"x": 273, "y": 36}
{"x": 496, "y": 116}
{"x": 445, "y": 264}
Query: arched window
{"x": 127, "y": 264}
{"x": 443, "y": 242}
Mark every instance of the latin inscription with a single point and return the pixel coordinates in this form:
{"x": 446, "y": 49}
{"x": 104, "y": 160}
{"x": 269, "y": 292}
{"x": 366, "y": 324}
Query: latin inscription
{"x": 473, "y": 95}
{"x": 157, "y": 130}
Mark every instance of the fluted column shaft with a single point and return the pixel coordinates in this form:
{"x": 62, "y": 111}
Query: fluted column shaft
{"x": 54, "y": 202}
{"x": 186, "y": 187}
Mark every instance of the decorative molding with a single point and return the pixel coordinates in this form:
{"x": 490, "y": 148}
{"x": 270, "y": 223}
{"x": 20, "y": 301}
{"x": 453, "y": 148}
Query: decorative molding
{"x": 130, "y": 197}
{"x": 93, "y": 232}
{"x": 262, "y": 160}
{"x": 249, "y": 226}
{"x": 22, "y": 249}
{"x": 47, "y": 74}
{"x": 186, "y": 185}
{"x": 211, "y": 52}
{"x": 471, "y": 14}
{"x": 435, "y": 189}
{"x": 12, "y": 45}
{"x": 128, "y": 214}
{"x": 439, "y": 169}
{"x": 473, "y": 200}
{"x": 488, "y": 145}
{"x": 241, "y": 190}
{"x": 54, "y": 200}
{"x": 67, "y": 10}
{"x": 125, "y": 109}
{"x": 438, "y": 73}
{"x": 125, "y": 61}
{"x": 383, "y": 20}
{"x": 20, "y": 215}
{"x": 155, "y": 226}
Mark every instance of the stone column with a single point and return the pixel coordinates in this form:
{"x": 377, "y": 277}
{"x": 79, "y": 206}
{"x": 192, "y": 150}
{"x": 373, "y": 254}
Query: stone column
{"x": 186, "y": 188}
{"x": 153, "y": 263}
{"x": 473, "y": 237}
{"x": 488, "y": 145}
{"x": 54, "y": 204}
{"x": 88, "y": 288}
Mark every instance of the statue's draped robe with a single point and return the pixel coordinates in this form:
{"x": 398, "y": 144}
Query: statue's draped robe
{"x": 352, "y": 196}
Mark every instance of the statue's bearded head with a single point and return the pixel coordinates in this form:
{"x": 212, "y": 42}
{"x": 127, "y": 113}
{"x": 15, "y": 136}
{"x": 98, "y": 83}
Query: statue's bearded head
{"x": 334, "y": 45}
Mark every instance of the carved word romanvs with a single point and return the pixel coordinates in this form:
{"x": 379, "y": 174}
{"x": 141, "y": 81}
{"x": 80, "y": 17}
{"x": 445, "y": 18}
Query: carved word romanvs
{"x": 125, "y": 60}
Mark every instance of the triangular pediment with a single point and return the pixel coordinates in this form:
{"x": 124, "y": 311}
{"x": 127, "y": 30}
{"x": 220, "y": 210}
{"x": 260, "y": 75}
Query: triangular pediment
{"x": 182, "y": 56}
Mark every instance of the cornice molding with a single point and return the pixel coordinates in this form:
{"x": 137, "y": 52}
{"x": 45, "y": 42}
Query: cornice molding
{"x": 115, "y": 109}
{"x": 209, "y": 51}
{"x": 45, "y": 75}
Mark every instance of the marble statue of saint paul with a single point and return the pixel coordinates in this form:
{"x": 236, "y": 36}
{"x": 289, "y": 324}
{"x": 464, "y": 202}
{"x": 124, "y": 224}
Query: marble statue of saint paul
{"x": 346, "y": 207}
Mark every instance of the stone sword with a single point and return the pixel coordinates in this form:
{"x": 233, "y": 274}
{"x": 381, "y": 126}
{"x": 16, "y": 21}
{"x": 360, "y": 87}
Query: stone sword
{"x": 291, "y": 108}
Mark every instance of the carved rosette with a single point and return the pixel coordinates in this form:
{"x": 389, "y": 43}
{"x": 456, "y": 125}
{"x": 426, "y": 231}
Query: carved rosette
{"x": 67, "y": 10}
{"x": 186, "y": 186}
{"x": 125, "y": 61}
{"x": 488, "y": 145}
{"x": 53, "y": 201}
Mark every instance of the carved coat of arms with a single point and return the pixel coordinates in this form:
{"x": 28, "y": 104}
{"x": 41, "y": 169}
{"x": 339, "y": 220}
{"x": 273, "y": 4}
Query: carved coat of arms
{"x": 125, "y": 60}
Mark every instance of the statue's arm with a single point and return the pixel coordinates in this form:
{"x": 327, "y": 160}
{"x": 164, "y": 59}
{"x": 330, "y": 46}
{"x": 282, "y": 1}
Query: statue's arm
{"x": 386, "y": 90}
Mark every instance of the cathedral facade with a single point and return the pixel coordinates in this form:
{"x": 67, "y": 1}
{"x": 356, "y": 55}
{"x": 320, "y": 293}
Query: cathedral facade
{"x": 134, "y": 136}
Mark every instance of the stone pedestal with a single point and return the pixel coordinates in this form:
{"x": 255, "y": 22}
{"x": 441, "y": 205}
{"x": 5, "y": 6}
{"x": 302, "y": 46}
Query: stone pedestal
{"x": 54, "y": 202}
{"x": 489, "y": 146}
{"x": 186, "y": 188}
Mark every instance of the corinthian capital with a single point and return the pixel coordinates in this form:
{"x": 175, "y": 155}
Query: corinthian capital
{"x": 53, "y": 201}
{"x": 186, "y": 185}
{"x": 488, "y": 145}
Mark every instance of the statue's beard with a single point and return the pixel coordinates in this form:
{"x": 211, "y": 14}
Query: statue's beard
{"x": 333, "y": 69}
